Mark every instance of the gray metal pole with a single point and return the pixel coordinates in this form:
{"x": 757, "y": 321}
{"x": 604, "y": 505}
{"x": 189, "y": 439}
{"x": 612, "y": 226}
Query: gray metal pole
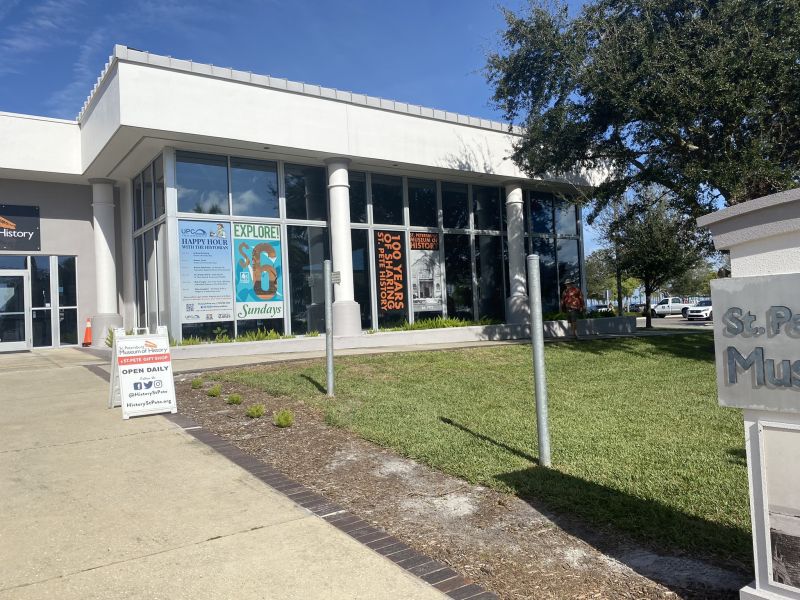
{"x": 537, "y": 345}
{"x": 326, "y": 272}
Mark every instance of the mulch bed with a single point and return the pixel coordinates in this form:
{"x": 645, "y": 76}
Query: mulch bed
{"x": 497, "y": 540}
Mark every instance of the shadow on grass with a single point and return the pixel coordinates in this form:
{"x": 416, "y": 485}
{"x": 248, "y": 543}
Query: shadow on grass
{"x": 486, "y": 438}
{"x": 738, "y": 456}
{"x": 314, "y": 382}
{"x": 691, "y": 345}
{"x": 597, "y": 514}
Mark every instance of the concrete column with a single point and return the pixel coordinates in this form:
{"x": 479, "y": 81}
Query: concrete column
{"x": 105, "y": 234}
{"x": 517, "y": 304}
{"x": 346, "y": 312}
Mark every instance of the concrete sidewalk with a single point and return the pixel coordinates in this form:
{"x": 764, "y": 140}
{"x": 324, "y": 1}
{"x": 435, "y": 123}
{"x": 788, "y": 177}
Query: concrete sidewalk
{"x": 96, "y": 507}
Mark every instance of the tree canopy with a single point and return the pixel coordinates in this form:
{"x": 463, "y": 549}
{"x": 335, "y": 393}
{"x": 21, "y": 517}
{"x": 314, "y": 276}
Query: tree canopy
{"x": 701, "y": 97}
{"x": 657, "y": 244}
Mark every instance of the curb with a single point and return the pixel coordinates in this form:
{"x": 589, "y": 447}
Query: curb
{"x": 431, "y": 571}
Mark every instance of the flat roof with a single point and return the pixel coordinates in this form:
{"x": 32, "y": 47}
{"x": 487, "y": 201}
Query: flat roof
{"x": 132, "y": 55}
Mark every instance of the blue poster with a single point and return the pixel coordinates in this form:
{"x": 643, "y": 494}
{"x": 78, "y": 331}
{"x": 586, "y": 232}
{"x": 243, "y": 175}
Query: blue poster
{"x": 206, "y": 271}
{"x": 259, "y": 272}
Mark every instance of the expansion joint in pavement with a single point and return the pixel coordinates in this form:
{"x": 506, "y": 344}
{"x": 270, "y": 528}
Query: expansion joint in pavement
{"x": 151, "y": 554}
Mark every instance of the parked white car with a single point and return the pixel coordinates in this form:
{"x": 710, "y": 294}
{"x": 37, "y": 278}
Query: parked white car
{"x": 671, "y": 306}
{"x": 603, "y": 308}
{"x": 701, "y": 310}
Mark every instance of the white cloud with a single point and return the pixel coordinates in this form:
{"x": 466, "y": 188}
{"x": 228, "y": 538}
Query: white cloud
{"x": 66, "y": 102}
{"x": 45, "y": 25}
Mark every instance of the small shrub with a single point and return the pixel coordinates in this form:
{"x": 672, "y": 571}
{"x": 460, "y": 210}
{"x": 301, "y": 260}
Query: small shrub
{"x": 235, "y": 399}
{"x": 259, "y": 335}
{"x": 197, "y": 383}
{"x": 283, "y": 418}
{"x": 191, "y": 341}
{"x": 256, "y": 411}
{"x": 312, "y": 333}
{"x": 215, "y": 391}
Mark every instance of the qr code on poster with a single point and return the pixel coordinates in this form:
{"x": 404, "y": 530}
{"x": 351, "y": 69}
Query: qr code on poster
{"x": 190, "y": 307}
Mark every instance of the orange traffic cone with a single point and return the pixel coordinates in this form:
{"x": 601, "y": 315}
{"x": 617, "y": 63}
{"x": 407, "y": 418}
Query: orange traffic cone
{"x": 87, "y": 334}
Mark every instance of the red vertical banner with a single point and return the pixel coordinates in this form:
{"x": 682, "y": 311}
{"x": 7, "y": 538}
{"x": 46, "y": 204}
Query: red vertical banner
{"x": 390, "y": 255}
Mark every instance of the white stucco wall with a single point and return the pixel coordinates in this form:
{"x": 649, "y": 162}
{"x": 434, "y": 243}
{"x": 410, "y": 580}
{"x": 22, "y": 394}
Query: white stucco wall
{"x": 206, "y": 106}
{"x": 767, "y": 256}
{"x": 101, "y": 121}
{"x": 39, "y": 145}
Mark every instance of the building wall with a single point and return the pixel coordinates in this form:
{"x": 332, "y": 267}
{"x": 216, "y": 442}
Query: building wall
{"x": 230, "y": 110}
{"x": 39, "y": 144}
{"x": 66, "y": 229}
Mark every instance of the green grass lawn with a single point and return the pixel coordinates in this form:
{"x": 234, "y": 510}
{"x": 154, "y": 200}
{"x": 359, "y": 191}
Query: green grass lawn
{"x": 638, "y": 440}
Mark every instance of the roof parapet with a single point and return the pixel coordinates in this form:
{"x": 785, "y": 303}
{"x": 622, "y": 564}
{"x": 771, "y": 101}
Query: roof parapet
{"x": 123, "y": 53}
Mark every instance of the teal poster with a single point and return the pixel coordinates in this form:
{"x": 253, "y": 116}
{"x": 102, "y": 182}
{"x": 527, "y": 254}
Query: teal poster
{"x": 259, "y": 271}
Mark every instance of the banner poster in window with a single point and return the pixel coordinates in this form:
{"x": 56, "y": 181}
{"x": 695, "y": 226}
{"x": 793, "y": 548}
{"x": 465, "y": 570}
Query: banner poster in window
{"x": 206, "y": 271}
{"x": 426, "y": 272}
{"x": 390, "y": 256}
{"x": 259, "y": 273}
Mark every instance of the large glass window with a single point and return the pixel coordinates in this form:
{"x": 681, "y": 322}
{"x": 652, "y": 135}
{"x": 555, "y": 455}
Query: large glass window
{"x": 253, "y": 326}
{"x": 202, "y": 182}
{"x": 40, "y": 281}
{"x": 569, "y": 270}
{"x": 67, "y": 288}
{"x": 455, "y": 205}
{"x": 137, "y": 203}
{"x": 161, "y": 259}
{"x": 545, "y": 248}
{"x": 422, "y": 203}
{"x": 541, "y": 212}
{"x": 254, "y": 188}
{"x": 361, "y": 281}
{"x": 68, "y": 326}
{"x": 67, "y": 300}
{"x": 565, "y": 218}
{"x": 306, "y": 193}
{"x": 458, "y": 275}
{"x": 42, "y": 328}
{"x": 489, "y": 271}
{"x": 152, "y": 278}
{"x": 308, "y": 247}
{"x": 158, "y": 178}
{"x": 40, "y": 301}
{"x": 387, "y": 199}
{"x": 486, "y": 206}
{"x": 141, "y": 302}
{"x": 358, "y": 197}
{"x": 147, "y": 194}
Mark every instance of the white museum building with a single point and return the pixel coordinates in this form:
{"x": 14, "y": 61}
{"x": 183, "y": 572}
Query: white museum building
{"x": 205, "y": 199}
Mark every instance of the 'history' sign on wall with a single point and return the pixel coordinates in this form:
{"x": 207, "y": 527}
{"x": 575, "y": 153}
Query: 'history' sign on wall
{"x": 19, "y": 228}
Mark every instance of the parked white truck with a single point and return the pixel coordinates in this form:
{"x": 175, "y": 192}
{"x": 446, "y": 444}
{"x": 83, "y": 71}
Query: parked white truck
{"x": 671, "y": 306}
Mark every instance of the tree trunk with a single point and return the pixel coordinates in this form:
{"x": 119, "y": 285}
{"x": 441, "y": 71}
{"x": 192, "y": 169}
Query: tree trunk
{"x": 648, "y": 310}
{"x": 620, "y": 307}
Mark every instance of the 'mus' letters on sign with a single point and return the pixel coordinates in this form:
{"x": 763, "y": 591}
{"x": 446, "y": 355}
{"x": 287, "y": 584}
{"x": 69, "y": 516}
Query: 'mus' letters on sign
{"x": 757, "y": 339}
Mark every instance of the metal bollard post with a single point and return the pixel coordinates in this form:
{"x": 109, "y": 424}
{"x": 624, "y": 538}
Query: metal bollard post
{"x": 326, "y": 271}
{"x": 537, "y": 345}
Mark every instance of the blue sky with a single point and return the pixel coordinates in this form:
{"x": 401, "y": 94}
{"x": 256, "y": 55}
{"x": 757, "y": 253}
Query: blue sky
{"x": 424, "y": 52}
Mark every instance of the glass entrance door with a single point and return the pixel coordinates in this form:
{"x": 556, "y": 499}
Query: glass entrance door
{"x": 15, "y": 311}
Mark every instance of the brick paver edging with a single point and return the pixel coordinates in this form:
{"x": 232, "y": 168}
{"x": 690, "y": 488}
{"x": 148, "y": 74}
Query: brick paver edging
{"x": 433, "y": 572}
